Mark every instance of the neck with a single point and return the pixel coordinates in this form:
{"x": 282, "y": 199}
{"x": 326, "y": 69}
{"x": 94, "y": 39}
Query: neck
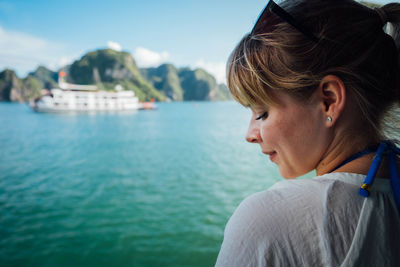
{"x": 342, "y": 148}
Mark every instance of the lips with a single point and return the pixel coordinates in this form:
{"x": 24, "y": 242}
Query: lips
{"x": 271, "y": 154}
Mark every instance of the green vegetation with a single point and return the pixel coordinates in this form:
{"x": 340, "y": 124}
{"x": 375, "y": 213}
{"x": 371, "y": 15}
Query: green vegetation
{"x": 166, "y": 80}
{"x": 10, "y": 87}
{"x": 185, "y": 84}
{"x": 106, "y": 68}
{"x": 47, "y": 77}
{"x": 34, "y": 85}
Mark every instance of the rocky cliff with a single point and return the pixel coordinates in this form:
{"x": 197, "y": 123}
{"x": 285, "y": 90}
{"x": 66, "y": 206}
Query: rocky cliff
{"x": 106, "y": 68}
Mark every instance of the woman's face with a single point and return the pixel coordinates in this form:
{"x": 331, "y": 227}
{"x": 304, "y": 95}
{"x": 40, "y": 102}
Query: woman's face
{"x": 291, "y": 133}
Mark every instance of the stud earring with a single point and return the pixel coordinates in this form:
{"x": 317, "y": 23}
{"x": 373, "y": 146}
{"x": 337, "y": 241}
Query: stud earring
{"x": 329, "y": 119}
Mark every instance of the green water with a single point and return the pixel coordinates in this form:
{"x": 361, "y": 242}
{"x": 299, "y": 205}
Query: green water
{"x": 150, "y": 188}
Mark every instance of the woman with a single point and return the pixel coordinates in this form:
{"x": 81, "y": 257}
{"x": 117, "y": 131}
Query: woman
{"x": 321, "y": 78}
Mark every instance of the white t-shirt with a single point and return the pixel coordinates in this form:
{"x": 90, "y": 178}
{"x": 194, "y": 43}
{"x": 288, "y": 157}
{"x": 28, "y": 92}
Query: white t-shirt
{"x": 315, "y": 222}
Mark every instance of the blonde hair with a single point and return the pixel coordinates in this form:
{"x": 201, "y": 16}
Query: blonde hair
{"x": 352, "y": 45}
{"x": 258, "y": 67}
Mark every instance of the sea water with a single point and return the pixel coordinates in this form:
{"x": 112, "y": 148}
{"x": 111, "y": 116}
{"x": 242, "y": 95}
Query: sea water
{"x": 145, "y": 188}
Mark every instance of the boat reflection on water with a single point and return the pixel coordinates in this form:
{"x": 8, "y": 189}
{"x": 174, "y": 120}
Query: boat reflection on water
{"x": 148, "y": 105}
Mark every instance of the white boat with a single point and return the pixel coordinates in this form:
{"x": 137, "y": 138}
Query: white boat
{"x": 76, "y": 97}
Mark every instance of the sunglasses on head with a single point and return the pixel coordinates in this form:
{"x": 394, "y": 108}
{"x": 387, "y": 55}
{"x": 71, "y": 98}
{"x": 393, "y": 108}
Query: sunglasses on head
{"x": 266, "y": 21}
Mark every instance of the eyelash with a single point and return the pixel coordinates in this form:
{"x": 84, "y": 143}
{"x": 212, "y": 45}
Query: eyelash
{"x": 262, "y": 116}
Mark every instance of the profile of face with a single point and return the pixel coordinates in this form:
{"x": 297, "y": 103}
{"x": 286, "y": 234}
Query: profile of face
{"x": 292, "y": 133}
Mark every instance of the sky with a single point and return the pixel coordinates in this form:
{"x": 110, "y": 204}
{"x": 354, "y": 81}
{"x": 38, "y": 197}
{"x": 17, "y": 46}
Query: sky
{"x": 185, "y": 33}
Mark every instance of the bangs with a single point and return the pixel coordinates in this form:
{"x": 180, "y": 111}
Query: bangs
{"x": 259, "y": 67}
{"x": 246, "y": 80}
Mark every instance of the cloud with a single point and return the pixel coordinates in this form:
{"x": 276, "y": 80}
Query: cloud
{"x": 114, "y": 46}
{"x": 146, "y": 58}
{"x": 24, "y": 52}
{"x": 61, "y": 62}
{"x": 217, "y": 69}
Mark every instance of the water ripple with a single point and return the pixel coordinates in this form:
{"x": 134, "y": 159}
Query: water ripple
{"x": 146, "y": 189}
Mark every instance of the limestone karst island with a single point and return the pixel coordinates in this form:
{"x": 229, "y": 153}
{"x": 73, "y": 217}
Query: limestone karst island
{"x": 108, "y": 68}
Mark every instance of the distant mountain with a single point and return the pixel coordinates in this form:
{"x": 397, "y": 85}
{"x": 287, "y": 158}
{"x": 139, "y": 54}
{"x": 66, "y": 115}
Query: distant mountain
{"x": 18, "y": 90}
{"x": 106, "y": 68}
{"x": 185, "y": 84}
{"x": 165, "y": 79}
{"x": 199, "y": 84}
{"x": 46, "y": 77}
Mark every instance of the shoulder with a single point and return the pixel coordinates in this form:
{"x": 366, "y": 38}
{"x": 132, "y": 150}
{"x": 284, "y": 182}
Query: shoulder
{"x": 270, "y": 209}
{"x": 287, "y": 214}
{"x": 263, "y": 222}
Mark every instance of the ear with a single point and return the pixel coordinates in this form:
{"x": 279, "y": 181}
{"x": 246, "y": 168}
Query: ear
{"x": 332, "y": 93}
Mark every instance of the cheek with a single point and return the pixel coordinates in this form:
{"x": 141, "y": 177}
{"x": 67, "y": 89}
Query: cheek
{"x": 309, "y": 139}
{"x": 304, "y": 125}
{"x": 275, "y": 133}
{"x": 269, "y": 131}
{"x": 295, "y": 136}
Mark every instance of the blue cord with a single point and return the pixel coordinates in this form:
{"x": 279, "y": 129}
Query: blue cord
{"x": 394, "y": 177}
{"x": 385, "y": 148}
{"x": 356, "y": 156}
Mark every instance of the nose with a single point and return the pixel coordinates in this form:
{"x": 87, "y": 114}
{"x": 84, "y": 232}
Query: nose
{"x": 253, "y": 132}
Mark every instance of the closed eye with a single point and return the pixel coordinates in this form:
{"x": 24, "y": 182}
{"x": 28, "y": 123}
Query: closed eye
{"x": 262, "y": 116}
